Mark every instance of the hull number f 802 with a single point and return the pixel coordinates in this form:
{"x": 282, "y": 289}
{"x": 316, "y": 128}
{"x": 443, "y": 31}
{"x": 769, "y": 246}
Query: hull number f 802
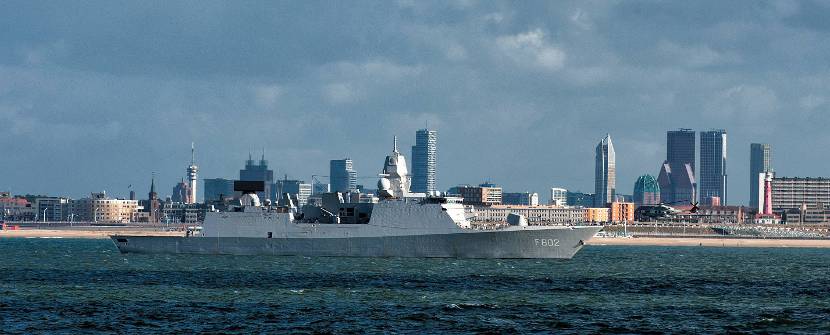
{"x": 546, "y": 242}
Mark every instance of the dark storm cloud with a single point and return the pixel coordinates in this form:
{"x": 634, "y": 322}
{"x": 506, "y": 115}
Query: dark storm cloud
{"x": 519, "y": 91}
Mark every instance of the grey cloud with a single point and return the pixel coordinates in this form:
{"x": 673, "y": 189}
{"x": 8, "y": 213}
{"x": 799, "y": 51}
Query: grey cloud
{"x": 519, "y": 91}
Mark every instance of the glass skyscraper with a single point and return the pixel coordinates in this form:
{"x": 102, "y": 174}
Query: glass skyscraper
{"x": 677, "y": 174}
{"x": 680, "y": 147}
{"x": 713, "y": 181}
{"x": 759, "y": 162}
{"x": 342, "y": 176}
{"x": 424, "y": 161}
{"x": 605, "y": 173}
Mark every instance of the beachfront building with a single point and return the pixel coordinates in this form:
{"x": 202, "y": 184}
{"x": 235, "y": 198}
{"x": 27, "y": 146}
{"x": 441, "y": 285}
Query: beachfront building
{"x": 539, "y": 215}
{"x": 98, "y": 207}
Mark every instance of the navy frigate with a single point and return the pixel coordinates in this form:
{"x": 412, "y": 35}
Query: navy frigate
{"x": 401, "y": 224}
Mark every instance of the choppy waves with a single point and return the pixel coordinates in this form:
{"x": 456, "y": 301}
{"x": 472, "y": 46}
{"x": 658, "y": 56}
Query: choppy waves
{"x": 71, "y": 286}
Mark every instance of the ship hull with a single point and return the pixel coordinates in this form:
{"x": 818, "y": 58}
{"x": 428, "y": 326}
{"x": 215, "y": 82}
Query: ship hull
{"x": 530, "y": 243}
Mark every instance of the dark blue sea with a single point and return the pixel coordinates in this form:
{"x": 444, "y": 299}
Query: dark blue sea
{"x": 68, "y": 286}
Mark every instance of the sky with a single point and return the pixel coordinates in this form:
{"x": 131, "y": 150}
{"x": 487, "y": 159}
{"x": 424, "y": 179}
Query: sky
{"x": 99, "y": 95}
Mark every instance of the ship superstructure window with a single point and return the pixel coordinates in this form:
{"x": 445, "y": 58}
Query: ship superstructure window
{"x": 270, "y": 234}
{"x": 348, "y": 211}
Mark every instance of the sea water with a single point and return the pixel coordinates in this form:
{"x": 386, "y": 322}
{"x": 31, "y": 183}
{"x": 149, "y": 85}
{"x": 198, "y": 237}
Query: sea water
{"x": 86, "y": 286}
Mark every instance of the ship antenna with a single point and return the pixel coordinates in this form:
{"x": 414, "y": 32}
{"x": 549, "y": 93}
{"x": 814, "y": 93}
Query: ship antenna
{"x": 192, "y": 153}
{"x": 395, "y": 144}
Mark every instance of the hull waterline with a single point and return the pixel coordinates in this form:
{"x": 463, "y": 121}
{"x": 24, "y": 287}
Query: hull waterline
{"x": 530, "y": 243}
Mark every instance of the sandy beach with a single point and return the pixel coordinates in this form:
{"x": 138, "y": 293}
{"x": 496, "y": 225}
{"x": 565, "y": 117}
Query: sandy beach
{"x": 712, "y": 242}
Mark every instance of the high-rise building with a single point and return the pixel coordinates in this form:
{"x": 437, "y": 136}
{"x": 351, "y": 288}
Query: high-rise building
{"x": 258, "y": 172}
{"x": 760, "y": 156}
{"x": 802, "y": 199}
{"x": 424, "y": 161}
{"x": 192, "y": 176}
{"x": 605, "y": 174}
{"x": 646, "y": 191}
{"x": 680, "y": 147}
{"x": 713, "y": 181}
{"x": 677, "y": 174}
{"x": 216, "y": 188}
{"x": 558, "y": 196}
{"x": 797, "y": 192}
{"x": 342, "y": 176}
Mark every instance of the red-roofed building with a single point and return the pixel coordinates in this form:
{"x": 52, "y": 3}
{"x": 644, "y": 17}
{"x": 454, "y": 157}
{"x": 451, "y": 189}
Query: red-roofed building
{"x": 15, "y": 208}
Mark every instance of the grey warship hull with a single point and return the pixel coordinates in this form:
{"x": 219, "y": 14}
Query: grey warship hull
{"x": 521, "y": 242}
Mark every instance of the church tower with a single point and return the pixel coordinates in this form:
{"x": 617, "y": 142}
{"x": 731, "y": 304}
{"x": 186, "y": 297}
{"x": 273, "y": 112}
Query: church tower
{"x": 153, "y": 202}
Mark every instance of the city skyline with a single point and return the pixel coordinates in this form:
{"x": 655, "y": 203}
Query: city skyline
{"x": 260, "y": 167}
{"x": 522, "y": 89}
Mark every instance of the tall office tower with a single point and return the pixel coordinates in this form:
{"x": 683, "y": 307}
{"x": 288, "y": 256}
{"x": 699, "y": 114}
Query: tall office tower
{"x": 192, "y": 175}
{"x": 713, "y": 166}
{"x": 605, "y": 173}
{"x": 646, "y": 191}
{"x": 760, "y": 155}
{"x": 258, "y": 172}
{"x": 424, "y": 160}
{"x": 342, "y": 176}
{"x": 680, "y": 147}
{"x": 677, "y": 173}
